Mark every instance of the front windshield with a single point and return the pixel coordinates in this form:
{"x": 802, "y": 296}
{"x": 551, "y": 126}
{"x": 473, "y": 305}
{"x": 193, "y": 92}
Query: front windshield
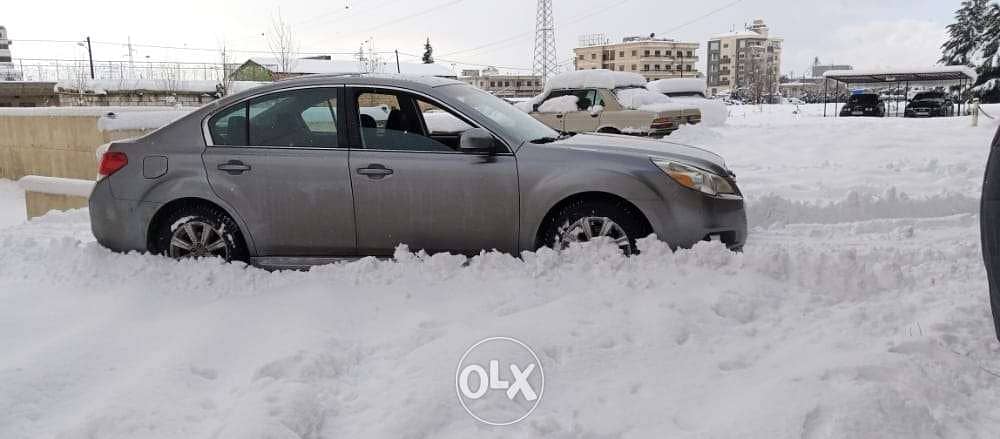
{"x": 513, "y": 121}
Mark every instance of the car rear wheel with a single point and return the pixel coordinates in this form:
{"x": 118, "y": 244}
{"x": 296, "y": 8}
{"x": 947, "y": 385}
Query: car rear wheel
{"x": 200, "y": 232}
{"x": 583, "y": 220}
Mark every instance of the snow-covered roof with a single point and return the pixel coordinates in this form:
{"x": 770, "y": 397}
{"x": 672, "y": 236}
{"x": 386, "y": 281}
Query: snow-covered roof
{"x": 324, "y": 66}
{"x": 595, "y": 78}
{"x": 738, "y": 34}
{"x": 932, "y": 73}
{"x": 678, "y": 85}
{"x": 103, "y": 86}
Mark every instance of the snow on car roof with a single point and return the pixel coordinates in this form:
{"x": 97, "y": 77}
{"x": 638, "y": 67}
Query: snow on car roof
{"x": 677, "y": 85}
{"x": 595, "y": 78}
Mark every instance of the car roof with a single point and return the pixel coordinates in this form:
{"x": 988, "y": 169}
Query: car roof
{"x": 413, "y": 82}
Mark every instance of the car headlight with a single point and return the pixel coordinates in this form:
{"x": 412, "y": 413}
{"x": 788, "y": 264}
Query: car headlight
{"x": 698, "y": 179}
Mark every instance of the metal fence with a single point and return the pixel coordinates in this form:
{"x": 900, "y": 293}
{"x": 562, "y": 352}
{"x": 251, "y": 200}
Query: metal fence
{"x": 57, "y": 70}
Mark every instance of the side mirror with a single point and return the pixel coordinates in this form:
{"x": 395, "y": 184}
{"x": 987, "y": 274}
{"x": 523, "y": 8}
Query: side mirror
{"x": 596, "y": 110}
{"x": 476, "y": 141}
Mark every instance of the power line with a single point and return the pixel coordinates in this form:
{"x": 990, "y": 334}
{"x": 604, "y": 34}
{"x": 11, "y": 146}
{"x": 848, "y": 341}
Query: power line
{"x": 410, "y": 16}
{"x": 532, "y": 32}
{"x": 706, "y": 15}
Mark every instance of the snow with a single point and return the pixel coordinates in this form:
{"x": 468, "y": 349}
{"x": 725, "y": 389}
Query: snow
{"x": 645, "y": 100}
{"x": 595, "y": 78}
{"x": 56, "y": 185}
{"x": 12, "y": 207}
{"x": 104, "y": 86}
{"x": 858, "y": 309}
{"x": 560, "y": 104}
{"x": 677, "y": 85}
{"x": 987, "y": 86}
{"x": 713, "y": 112}
{"x": 321, "y": 66}
{"x": 83, "y": 111}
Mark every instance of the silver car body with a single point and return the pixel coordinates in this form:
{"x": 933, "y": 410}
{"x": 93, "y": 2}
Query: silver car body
{"x": 298, "y": 206}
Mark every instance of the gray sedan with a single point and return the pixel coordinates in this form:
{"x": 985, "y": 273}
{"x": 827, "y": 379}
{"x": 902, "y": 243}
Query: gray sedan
{"x": 316, "y": 169}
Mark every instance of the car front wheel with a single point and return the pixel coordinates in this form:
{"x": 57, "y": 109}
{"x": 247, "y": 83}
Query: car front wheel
{"x": 580, "y": 221}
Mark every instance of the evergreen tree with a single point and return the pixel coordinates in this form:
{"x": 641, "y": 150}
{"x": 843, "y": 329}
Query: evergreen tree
{"x": 428, "y": 52}
{"x": 974, "y": 39}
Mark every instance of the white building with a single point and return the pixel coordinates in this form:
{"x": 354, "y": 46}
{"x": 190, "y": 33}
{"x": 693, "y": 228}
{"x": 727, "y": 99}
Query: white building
{"x": 738, "y": 59}
{"x": 7, "y": 71}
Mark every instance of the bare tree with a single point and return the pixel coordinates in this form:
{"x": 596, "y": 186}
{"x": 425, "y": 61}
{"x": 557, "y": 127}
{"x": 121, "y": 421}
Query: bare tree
{"x": 369, "y": 61}
{"x": 282, "y": 43}
{"x": 760, "y": 74}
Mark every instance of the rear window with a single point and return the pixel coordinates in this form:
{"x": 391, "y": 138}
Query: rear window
{"x": 864, "y": 99}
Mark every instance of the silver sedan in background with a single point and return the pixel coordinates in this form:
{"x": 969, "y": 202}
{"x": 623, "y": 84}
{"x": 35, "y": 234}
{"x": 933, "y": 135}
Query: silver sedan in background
{"x": 321, "y": 168}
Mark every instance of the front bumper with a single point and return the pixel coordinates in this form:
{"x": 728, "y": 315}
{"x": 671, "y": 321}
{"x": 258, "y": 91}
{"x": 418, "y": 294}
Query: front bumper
{"x": 684, "y": 217}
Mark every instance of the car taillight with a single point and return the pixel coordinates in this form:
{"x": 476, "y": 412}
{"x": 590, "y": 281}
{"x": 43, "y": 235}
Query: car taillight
{"x": 111, "y": 162}
{"x": 661, "y": 122}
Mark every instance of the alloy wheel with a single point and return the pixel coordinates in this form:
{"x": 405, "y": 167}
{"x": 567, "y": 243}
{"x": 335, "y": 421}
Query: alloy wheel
{"x": 592, "y": 227}
{"x": 198, "y": 239}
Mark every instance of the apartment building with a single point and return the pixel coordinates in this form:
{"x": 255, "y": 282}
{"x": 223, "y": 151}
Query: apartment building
{"x": 741, "y": 59}
{"x": 504, "y": 85}
{"x": 7, "y": 71}
{"x": 651, "y": 57}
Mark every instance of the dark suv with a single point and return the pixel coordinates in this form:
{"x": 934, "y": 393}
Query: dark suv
{"x": 930, "y": 104}
{"x": 865, "y": 104}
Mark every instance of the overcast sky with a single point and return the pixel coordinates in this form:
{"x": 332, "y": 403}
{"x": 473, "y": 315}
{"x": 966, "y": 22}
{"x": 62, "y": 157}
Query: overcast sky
{"x": 865, "y": 33}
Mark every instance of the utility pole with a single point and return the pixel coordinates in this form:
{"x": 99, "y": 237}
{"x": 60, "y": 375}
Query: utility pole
{"x": 90, "y": 56}
{"x": 397, "y": 62}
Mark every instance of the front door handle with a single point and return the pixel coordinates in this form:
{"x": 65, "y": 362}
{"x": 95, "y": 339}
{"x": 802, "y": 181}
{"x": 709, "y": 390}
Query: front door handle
{"x": 375, "y": 171}
{"x": 234, "y": 167}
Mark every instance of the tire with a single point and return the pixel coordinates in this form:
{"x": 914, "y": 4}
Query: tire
{"x": 567, "y": 224}
{"x": 192, "y": 223}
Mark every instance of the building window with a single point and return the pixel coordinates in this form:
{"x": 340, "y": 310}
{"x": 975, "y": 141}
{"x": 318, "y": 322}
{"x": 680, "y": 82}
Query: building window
{"x": 635, "y": 67}
{"x": 493, "y": 83}
{"x": 581, "y": 57}
{"x": 657, "y": 53}
{"x": 645, "y": 53}
{"x": 687, "y": 67}
{"x": 656, "y": 67}
{"x": 645, "y": 67}
{"x": 635, "y": 53}
{"x": 725, "y": 46}
{"x": 593, "y": 56}
{"x": 517, "y": 84}
{"x": 506, "y": 83}
{"x": 621, "y": 53}
{"x": 690, "y": 54}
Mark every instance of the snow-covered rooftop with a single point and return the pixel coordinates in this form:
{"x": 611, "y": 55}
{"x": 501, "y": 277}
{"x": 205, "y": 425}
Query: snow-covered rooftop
{"x": 595, "y": 78}
{"x": 323, "y": 66}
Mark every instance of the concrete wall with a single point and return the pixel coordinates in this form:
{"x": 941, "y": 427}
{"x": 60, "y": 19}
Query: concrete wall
{"x": 53, "y": 144}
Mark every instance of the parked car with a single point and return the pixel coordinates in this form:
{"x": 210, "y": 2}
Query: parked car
{"x": 299, "y": 173}
{"x": 607, "y": 102}
{"x": 930, "y": 104}
{"x": 864, "y": 104}
{"x": 794, "y": 101}
{"x": 989, "y": 228}
{"x": 691, "y": 91}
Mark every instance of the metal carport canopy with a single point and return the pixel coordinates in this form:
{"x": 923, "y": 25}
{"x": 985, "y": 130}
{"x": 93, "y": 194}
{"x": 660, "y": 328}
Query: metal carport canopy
{"x": 928, "y": 74}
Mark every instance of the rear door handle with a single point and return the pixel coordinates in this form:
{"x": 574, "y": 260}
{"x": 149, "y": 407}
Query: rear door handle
{"x": 375, "y": 171}
{"x": 234, "y": 167}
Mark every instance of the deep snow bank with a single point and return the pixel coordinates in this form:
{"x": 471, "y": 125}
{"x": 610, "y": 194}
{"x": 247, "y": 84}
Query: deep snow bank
{"x": 858, "y": 309}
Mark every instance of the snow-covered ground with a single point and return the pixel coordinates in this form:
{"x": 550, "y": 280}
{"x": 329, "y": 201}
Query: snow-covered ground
{"x": 858, "y": 309}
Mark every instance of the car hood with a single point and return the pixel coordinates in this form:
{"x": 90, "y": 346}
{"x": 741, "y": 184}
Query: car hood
{"x": 643, "y": 147}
